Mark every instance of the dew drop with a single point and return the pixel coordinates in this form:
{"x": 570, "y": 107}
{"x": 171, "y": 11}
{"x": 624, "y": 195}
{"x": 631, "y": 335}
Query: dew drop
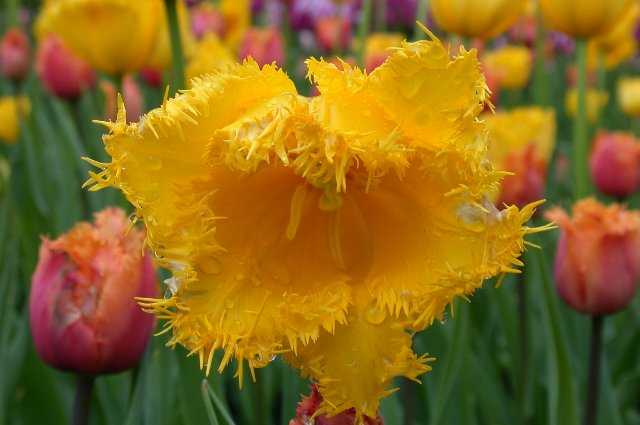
{"x": 375, "y": 316}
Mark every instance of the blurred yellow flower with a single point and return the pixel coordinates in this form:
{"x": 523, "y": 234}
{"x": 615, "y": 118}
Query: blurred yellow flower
{"x": 12, "y": 109}
{"x": 114, "y": 36}
{"x": 330, "y": 229}
{"x": 618, "y": 44}
{"x": 237, "y": 19}
{"x": 209, "y": 55}
{"x": 629, "y": 96}
{"x": 584, "y": 19}
{"x": 521, "y": 141}
{"x": 596, "y": 100}
{"x": 160, "y": 57}
{"x": 511, "y": 65}
{"x": 378, "y": 47}
{"x": 476, "y": 18}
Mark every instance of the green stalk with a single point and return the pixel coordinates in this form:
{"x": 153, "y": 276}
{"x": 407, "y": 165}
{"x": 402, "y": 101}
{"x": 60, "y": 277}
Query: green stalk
{"x": 12, "y": 13}
{"x": 580, "y": 124}
{"x": 177, "y": 55}
{"x": 82, "y": 401}
{"x": 363, "y": 29}
{"x": 421, "y": 16}
{"x": 540, "y": 78}
{"x": 595, "y": 359}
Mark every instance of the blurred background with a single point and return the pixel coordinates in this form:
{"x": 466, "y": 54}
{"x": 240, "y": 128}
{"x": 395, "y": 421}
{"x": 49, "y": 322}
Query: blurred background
{"x": 518, "y": 354}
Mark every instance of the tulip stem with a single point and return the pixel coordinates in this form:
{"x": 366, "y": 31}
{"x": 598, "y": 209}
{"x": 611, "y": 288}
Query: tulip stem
{"x": 521, "y": 292}
{"x": 593, "y": 387}
{"x": 363, "y": 29}
{"x": 540, "y": 81}
{"x": 580, "y": 125}
{"x": 176, "y": 44}
{"x": 421, "y": 17}
{"x": 82, "y": 401}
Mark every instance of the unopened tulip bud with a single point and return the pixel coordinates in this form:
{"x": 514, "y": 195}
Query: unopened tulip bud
{"x": 15, "y": 54}
{"x": 131, "y": 94}
{"x": 264, "y": 45}
{"x": 511, "y": 64}
{"x": 306, "y": 413}
{"x": 62, "y": 72}
{"x": 615, "y": 164}
{"x": 528, "y": 180}
{"x": 597, "y": 261}
{"x": 333, "y": 33}
{"x": 152, "y": 77}
{"x": 206, "y": 19}
{"x": 83, "y": 313}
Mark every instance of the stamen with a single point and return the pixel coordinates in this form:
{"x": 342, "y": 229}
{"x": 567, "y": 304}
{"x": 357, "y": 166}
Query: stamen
{"x": 297, "y": 202}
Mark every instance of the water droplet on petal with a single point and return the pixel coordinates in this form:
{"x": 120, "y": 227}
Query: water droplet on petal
{"x": 375, "y": 315}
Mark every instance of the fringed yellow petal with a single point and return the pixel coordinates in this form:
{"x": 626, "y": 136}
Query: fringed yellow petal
{"x": 355, "y": 366}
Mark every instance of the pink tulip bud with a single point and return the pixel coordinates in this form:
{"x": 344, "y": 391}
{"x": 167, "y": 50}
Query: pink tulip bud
{"x": 206, "y": 18}
{"x": 15, "y": 54}
{"x": 83, "y": 313}
{"x": 264, "y": 45}
{"x": 152, "y": 77}
{"x": 528, "y": 180}
{"x": 62, "y": 73}
{"x": 615, "y": 164}
{"x": 597, "y": 261}
{"x": 333, "y": 33}
{"x": 306, "y": 413}
{"x": 131, "y": 94}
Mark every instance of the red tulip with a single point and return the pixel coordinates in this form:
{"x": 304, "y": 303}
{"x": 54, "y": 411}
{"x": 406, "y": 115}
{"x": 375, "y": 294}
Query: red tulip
{"x": 264, "y": 45}
{"x": 333, "y": 33}
{"x": 15, "y": 54}
{"x": 529, "y": 177}
{"x": 597, "y": 261}
{"x": 83, "y": 314}
{"x": 61, "y": 71}
{"x": 615, "y": 164}
{"x": 306, "y": 413}
{"x": 152, "y": 77}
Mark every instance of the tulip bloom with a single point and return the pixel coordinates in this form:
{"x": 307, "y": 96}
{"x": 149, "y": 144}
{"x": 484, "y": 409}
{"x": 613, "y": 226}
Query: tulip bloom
{"x": 629, "y": 96}
{"x": 597, "y": 261}
{"x": 522, "y": 142}
{"x": 333, "y": 33}
{"x": 618, "y": 44}
{"x": 264, "y": 45}
{"x": 585, "y": 19}
{"x": 307, "y": 413}
{"x": 329, "y": 228}
{"x": 476, "y": 18}
{"x": 596, "y": 100}
{"x": 82, "y": 310}
{"x": 511, "y": 65}
{"x": 132, "y": 98}
{"x": 209, "y": 55}
{"x": 615, "y": 164}
{"x": 62, "y": 73}
{"x": 12, "y": 110}
{"x": 15, "y": 54}
{"x": 206, "y": 18}
{"x": 378, "y": 47}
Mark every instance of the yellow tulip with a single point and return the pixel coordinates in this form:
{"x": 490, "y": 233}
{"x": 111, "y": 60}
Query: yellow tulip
{"x": 160, "y": 57}
{"x": 378, "y": 47}
{"x": 12, "y": 109}
{"x": 510, "y": 64}
{"x": 584, "y": 18}
{"x": 618, "y": 44}
{"x": 330, "y": 229}
{"x": 237, "y": 19}
{"x": 476, "y": 18}
{"x": 209, "y": 55}
{"x": 629, "y": 96}
{"x": 596, "y": 100}
{"x": 114, "y": 36}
